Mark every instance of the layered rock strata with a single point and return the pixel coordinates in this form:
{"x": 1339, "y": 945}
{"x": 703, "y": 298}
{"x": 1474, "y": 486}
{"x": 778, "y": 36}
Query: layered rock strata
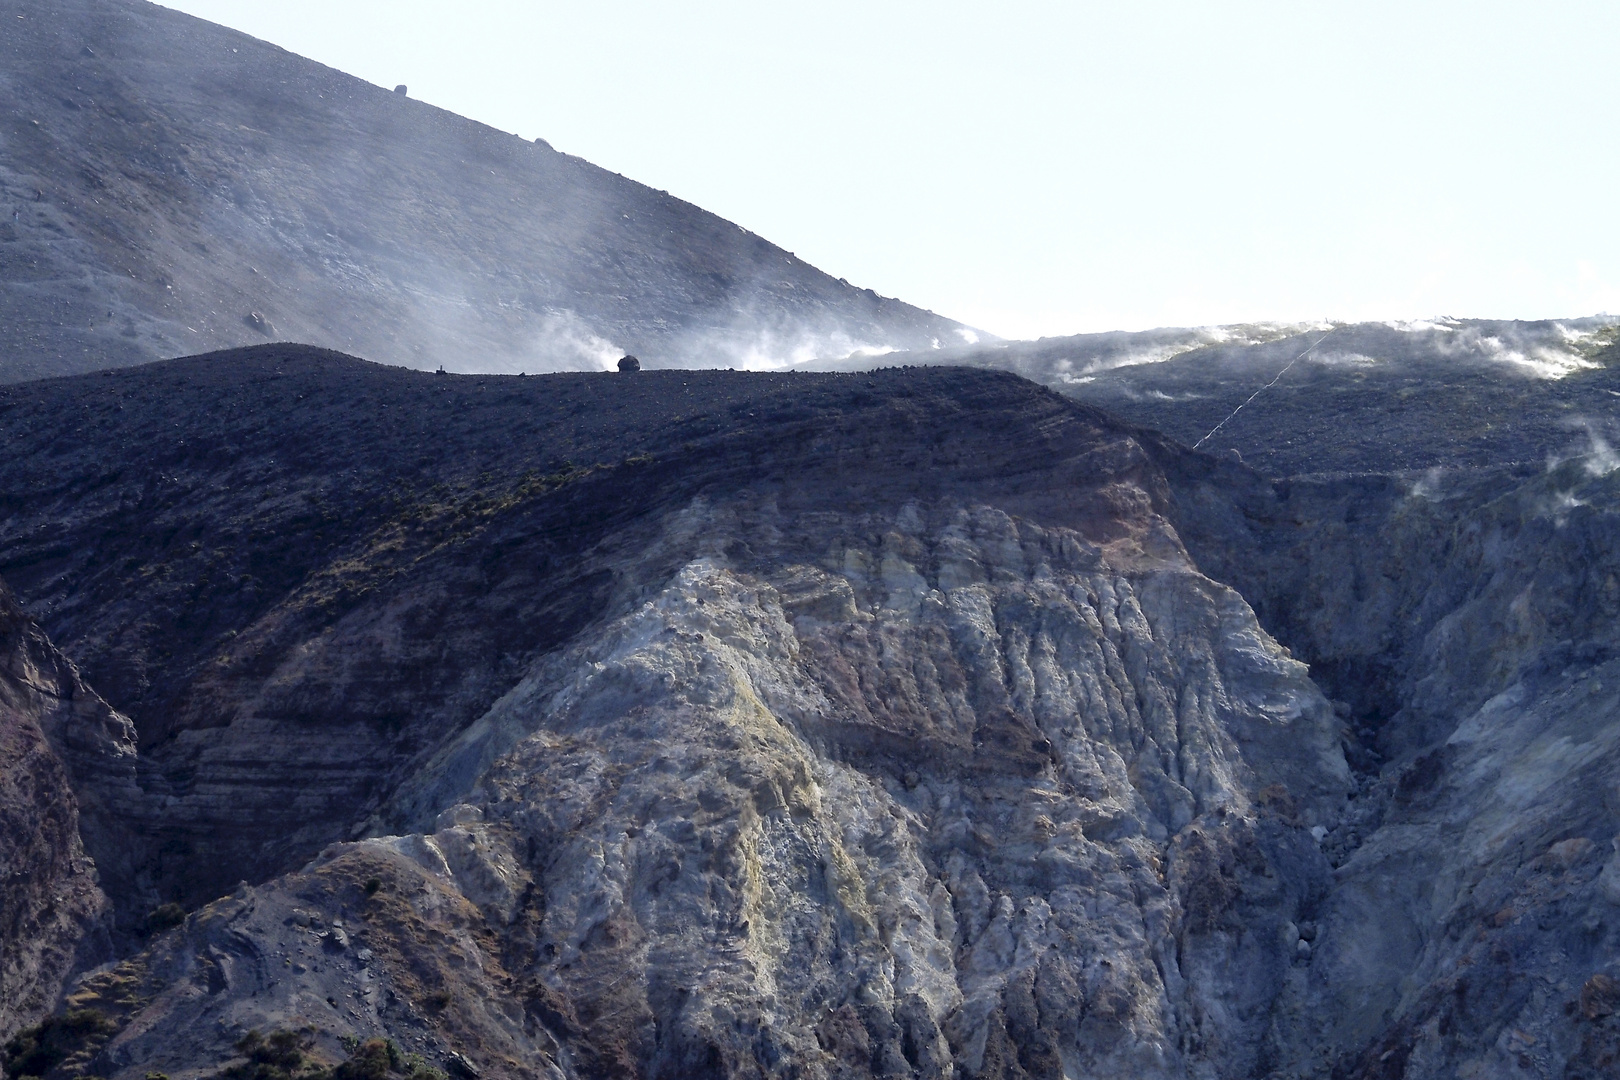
{"x": 54, "y": 918}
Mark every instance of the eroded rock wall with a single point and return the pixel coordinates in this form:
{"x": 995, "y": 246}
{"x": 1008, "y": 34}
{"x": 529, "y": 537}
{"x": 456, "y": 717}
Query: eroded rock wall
{"x": 1468, "y": 622}
{"x": 926, "y": 790}
{"x": 54, "y": 918}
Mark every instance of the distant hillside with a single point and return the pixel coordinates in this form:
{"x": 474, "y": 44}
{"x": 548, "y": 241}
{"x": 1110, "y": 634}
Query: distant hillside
{"x": 1347, "y": 397}
{"x": 168, "y": 186}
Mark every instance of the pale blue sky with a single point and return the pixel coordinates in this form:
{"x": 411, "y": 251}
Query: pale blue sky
{"x": 1048, "y": 168}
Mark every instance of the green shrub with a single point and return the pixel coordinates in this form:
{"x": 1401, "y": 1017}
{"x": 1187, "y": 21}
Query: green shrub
{"x": 37, "y": 1050}
{"x": 371, "y": 1062}
{"x": 415, "y": 1067}
{"x": 277, "y": 1056}
{"x": 163, "y": 917}
{"x": 283, "y": 1055}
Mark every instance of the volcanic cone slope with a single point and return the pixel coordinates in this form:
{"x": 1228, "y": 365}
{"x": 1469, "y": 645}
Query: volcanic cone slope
{"x": 169, "y": 186}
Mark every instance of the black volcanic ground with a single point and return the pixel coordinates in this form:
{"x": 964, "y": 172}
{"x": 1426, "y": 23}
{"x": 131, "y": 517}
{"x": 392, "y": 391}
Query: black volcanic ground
{"x": 147, "y": 514}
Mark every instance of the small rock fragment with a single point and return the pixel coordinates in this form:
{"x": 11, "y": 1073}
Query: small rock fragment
{"x": 1566, "y": 853}
{"x": 458, "y": 1065}
{"x": 1600, "y": 997}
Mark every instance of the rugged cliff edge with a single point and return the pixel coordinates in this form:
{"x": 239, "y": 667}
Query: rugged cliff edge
{"x": 908, "y": 723}
{"x": 55, "y": 919}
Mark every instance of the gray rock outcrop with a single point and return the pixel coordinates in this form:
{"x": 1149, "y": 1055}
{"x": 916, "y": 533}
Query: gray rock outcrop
{"x": 54, "y": 918}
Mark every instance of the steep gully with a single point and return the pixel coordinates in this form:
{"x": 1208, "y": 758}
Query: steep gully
{"x": 892, "y": 724}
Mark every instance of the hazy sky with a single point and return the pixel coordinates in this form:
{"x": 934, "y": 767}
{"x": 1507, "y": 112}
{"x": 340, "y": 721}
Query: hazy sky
{"x": 1048, "y": 168}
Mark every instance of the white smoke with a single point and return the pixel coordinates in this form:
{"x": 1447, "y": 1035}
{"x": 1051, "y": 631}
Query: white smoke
{"x": 1600, "y": 458}
{"x": 1199, "y": 337}
{"x": 567, "y": 342}
{"x": 1344, "y": 359}
{"x": 1408, "y": 326}
{"x": 1541, "y": 359}
{"x": 773, "y": 350}
{"x": 1597, "y": 459}
{"x": 1427, "y": 487}
{"x": 1153, "y": 354}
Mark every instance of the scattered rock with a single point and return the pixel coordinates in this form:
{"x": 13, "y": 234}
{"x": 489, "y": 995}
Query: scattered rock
{"x": 1566, "y": 853}
{"x": 458, "y": 1065}
{"x": 1600, "y": 997}
{"x": 1609, "y": 879}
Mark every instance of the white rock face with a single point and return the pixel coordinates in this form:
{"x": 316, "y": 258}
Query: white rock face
{"x": 926, "y": 790}
{"x": 966, "y": 793}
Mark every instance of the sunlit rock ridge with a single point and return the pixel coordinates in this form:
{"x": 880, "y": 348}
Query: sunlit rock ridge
{"x": 169, "y": 186}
